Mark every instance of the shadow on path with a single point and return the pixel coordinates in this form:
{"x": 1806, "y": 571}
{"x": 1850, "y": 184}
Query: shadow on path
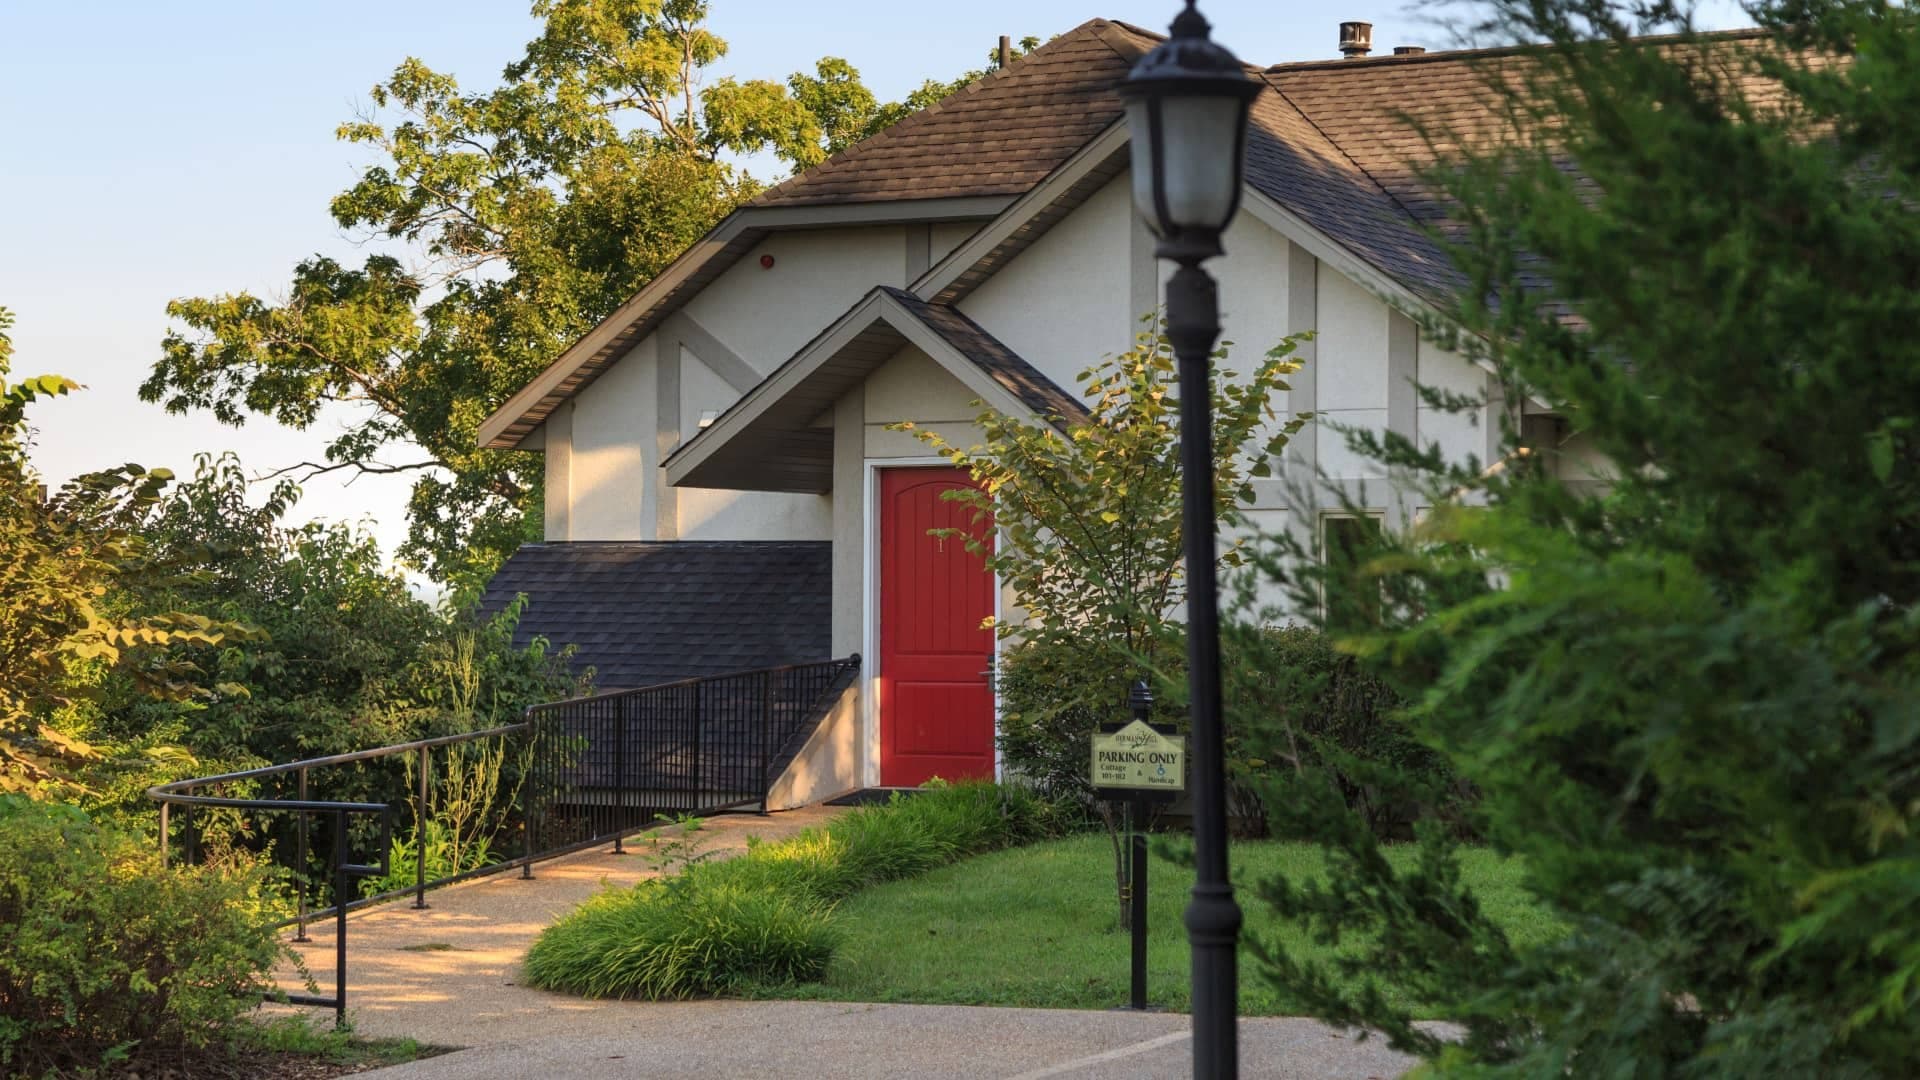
{"x": 449, "y": 975}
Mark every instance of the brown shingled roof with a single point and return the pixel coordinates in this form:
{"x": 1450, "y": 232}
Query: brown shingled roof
{"x": 1330, "y": 143}
{"x": 1374, "y": 108}
{"x": 998, "y": 136}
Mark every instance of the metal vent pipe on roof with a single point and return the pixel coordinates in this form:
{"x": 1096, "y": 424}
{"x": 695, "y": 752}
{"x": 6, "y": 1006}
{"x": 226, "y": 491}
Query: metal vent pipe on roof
{"x": 1356, "y": 39}
{"x": 1006, "y": 51}
{"x": 1409, "y": 50}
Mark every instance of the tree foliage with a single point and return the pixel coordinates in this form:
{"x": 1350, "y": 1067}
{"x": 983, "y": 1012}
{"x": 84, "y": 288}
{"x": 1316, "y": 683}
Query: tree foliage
{"x": 64, "y": 557}
{"x": 1086, "y": 511}
{"x": 107, "y": 957}
{"x": 1686, "y": 699}
{"x": 509, "y": 222}
{"x": 348, "y": 658}
{"x": 1085, "y": 528}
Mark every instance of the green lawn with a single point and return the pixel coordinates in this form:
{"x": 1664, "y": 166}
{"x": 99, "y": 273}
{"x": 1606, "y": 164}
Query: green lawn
{"x": 1035, "y": 926}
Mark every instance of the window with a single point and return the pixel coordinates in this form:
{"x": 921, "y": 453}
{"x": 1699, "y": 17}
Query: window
{"x": 1346, "y": 540}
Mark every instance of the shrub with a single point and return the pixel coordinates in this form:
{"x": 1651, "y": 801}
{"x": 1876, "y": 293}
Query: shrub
{"x": 104, "y": 953}
{"x": 766, "y": 917}
{"x": 1051, "y": 699}
{"x": 1685, "y": 696}
{"x": 1294, "y": 702}
{"x": 1290, "y": 698}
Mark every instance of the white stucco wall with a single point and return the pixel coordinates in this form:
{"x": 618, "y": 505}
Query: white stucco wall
{"x": 1253, "y": 294}
{"x": 766, "y": 315}
{"x": 1352, "y": 376}
{"x": 911, "y": 386}
{"x": 1254, "y": 283}
{"x": 556, "y": 447}
{"x": 1459, "y": 435}
{"x": 614, "y": 420}
{"x": 1064, "y": 302}
{"x": 711, "y": 514}
{"x": 948, "y": 235}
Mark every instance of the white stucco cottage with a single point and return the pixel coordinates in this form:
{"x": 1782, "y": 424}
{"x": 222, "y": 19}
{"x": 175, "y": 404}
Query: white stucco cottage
{"x": 729, "y": 423}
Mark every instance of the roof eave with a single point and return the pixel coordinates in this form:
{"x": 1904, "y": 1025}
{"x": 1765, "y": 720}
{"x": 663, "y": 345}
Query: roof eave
{"x": 510, "y": 425}
{"x": 701, "y": 461}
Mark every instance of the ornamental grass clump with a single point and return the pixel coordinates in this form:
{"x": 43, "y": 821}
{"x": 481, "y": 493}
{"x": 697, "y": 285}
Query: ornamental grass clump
{"x": 767, "y": 916}
{"x": 658, "y": 941}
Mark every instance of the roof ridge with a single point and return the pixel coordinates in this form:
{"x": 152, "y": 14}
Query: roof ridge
{"x": 920, "y": 117}
{"x": 1343, "y": 63}
{"x": 1125, "y": 48}
{"x": 1345, "y": 153}
{"x": 1136, "y": 28}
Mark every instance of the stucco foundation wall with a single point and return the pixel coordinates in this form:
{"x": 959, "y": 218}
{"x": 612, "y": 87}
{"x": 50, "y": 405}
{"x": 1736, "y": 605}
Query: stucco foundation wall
{"x": 830, "y": 763}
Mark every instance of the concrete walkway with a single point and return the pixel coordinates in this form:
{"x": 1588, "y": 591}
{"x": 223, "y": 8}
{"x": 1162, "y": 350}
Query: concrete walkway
{"x": 448, "y": 976}
{"x": 746, "y": 1039}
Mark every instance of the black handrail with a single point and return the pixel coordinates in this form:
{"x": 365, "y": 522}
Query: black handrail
{"x": 697, "y": 746}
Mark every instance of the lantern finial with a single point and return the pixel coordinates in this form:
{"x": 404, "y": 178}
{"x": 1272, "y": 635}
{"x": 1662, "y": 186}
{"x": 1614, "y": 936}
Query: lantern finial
{"x": 1190, "y": 23}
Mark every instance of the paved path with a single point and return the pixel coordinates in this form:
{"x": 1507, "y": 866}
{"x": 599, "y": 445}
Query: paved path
{"x": 805, "y": 1039}
{"x": 448, "y": 976}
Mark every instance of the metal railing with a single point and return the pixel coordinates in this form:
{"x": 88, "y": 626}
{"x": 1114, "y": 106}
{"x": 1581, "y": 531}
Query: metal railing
{"x": 697, "y": 746}
{"x": 572, "y": 775}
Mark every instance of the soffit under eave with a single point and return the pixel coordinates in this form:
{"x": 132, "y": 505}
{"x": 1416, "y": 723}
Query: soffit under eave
{"x": 783, "y": 449}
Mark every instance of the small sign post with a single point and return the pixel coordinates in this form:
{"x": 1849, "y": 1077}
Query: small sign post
{"x": 1140, "y": 764}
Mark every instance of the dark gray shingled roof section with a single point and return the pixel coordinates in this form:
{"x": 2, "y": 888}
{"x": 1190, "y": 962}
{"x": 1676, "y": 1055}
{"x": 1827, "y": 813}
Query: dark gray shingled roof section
{"x": 644, "y": 613}
{"x": 1004, "y": 366}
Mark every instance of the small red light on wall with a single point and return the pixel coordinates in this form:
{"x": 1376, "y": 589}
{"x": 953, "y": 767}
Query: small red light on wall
{"x": 766, "y": 262}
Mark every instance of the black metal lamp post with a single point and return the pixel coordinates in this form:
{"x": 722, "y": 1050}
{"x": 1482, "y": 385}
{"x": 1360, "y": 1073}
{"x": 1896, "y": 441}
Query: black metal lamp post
{"x": 1187, "y": 104}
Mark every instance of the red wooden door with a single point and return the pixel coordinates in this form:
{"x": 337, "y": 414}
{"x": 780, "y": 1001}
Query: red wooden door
{"x": 936, "y": 708}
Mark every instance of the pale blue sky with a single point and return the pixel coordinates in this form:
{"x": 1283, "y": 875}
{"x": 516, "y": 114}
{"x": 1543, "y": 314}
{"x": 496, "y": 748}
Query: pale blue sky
{"x": 157, "y": 150}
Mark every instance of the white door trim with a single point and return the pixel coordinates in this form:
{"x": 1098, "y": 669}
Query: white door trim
{"x": 870, "y": 616}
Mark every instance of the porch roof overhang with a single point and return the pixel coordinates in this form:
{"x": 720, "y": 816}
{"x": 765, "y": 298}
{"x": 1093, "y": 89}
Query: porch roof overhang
{"x": 773, "y": 438}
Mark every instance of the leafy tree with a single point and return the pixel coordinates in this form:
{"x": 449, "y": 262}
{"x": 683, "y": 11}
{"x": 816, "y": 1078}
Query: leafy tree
{"x": 60, "y": 557}
{"x": 1086, "y": 532}
{"x": 349, "y": 657}
{"x": 1688, "y": 701}
{"x": 1086, "y": 512}
{"x": 513, "y": 221}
